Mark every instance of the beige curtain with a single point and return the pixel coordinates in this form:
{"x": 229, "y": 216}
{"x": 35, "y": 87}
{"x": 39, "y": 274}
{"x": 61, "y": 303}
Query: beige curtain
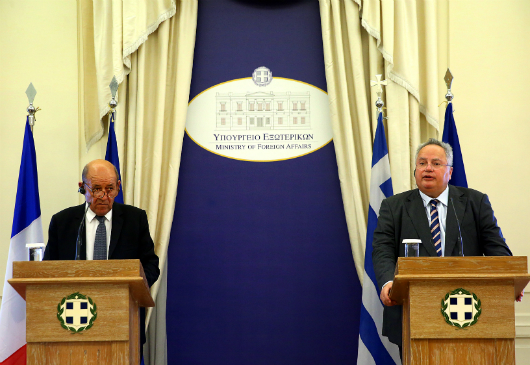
{"x": 395, "y": 38}
{"x": 153, "y": 67}
{"x": 119, "y": 28}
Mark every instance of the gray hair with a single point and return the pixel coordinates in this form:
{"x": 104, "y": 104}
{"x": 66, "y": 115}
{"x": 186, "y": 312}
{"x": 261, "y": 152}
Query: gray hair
{"x": 446, "y": 146}
{"x": 85, "y": 172}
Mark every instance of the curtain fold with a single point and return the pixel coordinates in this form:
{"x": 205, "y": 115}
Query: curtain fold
{"x": 119, "y": 28}
{"x": 155, "y": 349}
{"x": 395, "y": 38}
{"x": 157, "y": 97}
{"x": 151, "y": 115}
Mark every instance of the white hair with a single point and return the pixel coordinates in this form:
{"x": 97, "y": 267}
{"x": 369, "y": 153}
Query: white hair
{"x": 446, "y": 146}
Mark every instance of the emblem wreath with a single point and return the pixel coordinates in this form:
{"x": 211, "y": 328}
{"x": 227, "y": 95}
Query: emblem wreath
{"x": 93, "y": 311}
{"x": 477, "y": 306}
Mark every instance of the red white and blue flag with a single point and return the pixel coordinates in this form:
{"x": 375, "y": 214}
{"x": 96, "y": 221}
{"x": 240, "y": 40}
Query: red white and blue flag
{"x": 27, "y": 228}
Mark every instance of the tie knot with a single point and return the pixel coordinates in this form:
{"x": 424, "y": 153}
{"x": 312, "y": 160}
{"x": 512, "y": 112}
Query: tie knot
{"x": 434, "y": 202}
{"x": 100, "y": 218}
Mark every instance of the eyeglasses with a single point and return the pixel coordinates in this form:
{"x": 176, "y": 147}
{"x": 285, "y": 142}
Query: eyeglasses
{"x": 436, "y": 165}
{"x": 99, "y": 193}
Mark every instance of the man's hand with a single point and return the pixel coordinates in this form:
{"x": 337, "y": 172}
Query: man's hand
{"x": 385, "y": 295}
{"x": 519, "y": 297}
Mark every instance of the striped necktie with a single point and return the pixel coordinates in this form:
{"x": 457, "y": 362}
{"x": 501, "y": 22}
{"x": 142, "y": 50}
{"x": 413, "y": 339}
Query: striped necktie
{"x": 100, "y": 243}
{"x": 435, "y": 227}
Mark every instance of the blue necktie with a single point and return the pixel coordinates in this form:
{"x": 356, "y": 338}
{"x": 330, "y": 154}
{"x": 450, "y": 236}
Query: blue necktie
{"x": 435, "y": 227}
{"x": 100, "y": 243}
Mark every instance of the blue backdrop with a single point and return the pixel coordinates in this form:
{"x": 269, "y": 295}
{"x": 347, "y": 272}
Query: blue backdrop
{"x": 260, "y": 269}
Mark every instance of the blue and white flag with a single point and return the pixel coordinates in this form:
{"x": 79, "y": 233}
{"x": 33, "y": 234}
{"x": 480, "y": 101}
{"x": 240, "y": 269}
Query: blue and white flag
{"x": 374, "y": 348}
{"x": 112, "y": 156}
{"x": 27, "y": 228}
{"x": 450, "y": 135}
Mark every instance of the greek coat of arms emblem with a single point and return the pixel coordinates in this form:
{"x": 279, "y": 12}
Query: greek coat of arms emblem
{"x": 77, "y": 312}
{"x": 461, "y": 308}
{"x": 262, "y": 76}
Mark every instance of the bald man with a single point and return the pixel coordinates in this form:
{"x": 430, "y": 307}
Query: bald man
{"x": 124, "y": 228}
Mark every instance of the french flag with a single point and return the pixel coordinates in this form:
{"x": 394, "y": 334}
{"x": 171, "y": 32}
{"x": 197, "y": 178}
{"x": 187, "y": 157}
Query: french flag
{"x": 27, "y": 228}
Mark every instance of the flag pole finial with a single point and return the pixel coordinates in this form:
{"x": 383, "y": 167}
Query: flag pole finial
{"x": 448, "y": 82}
{"x": 31, "y": 92}
{"x": 379, "y": 91}
{"x": 113, "y": 89}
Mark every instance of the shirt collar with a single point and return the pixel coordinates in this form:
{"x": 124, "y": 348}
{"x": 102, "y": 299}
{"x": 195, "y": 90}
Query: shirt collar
{"x": 90, "y": 215}
{"x": 443, "y": 197}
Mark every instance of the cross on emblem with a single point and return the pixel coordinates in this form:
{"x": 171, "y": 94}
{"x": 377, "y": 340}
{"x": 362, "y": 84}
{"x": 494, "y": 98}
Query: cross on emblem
{"x": 76, "y": 312}
{"x": 262, "y": 76}
{"x": 461, "y": 307}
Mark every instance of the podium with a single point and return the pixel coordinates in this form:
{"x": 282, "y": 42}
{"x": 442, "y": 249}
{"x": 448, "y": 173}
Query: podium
{"x": 62, "y": 299}
{"x": 460, "y": 287}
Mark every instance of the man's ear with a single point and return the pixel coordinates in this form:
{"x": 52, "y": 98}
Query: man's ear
{"x": 81, "y": 189}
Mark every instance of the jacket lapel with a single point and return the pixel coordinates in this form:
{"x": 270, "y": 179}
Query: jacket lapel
{"x": 416, "y": 211}
{"x": 452, "y": 237}
{"x": 117, "y": 224}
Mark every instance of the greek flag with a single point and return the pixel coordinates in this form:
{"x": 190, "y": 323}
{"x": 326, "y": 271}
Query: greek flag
{"x": 450, "y": 135}
{"x": 112, "y": 156}
{"x": 374, "y": 349}
{"x": 27, "y": 228}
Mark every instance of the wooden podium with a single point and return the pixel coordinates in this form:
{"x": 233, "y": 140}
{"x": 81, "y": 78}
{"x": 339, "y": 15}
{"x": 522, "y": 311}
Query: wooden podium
{"x": 116, "y": 288}
{"x": 422, "y": 285}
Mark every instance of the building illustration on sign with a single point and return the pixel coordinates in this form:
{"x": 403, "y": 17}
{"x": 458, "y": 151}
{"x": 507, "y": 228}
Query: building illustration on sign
{"x": 263, "y": 111}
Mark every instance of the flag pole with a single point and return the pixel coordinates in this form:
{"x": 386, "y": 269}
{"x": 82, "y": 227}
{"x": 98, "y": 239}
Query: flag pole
{"x": 113, "y": 103}
{"x": 31, "y": 92}
{"x": 374, "y": 348}
{"x": 111, "y": 154}
{"x": 27, "y": 228}
{"x": 450, "y": 135}
{"x": 448, "y": 82}
{"x": 379, "y": 103}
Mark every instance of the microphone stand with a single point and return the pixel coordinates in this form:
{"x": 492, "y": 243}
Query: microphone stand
{"x": 459, "y": 231}
{"x": 79, "y": 241}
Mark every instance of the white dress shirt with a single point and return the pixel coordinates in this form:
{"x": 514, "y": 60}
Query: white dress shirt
{"x": 443, "y": 199}
{"x": 91, "y": 225}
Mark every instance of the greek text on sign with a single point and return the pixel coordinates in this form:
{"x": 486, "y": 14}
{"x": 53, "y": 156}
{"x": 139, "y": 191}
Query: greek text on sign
{"x": 260, "y": 121}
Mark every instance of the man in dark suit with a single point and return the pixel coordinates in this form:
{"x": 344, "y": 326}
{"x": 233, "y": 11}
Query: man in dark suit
{"x": 415, "y": 213}
{"x": 112, "y": 230}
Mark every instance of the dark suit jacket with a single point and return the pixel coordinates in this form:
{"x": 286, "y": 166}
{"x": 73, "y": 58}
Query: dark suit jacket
{"x": 403, "y": 216}
{"x": 130, "y": 239}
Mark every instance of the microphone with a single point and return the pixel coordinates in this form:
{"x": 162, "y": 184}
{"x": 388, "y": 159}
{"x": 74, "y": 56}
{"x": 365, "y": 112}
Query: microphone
{"x": 459, "y": 232}
{"x": 79, "y": 241}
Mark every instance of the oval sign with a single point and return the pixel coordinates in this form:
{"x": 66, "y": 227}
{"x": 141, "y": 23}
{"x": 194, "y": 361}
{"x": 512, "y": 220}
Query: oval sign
{"x": 239, "y": 119}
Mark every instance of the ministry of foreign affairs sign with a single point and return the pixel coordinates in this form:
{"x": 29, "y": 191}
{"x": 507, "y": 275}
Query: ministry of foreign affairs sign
{"x": 77, "y": 312}
{"x": 461, "y": 308}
